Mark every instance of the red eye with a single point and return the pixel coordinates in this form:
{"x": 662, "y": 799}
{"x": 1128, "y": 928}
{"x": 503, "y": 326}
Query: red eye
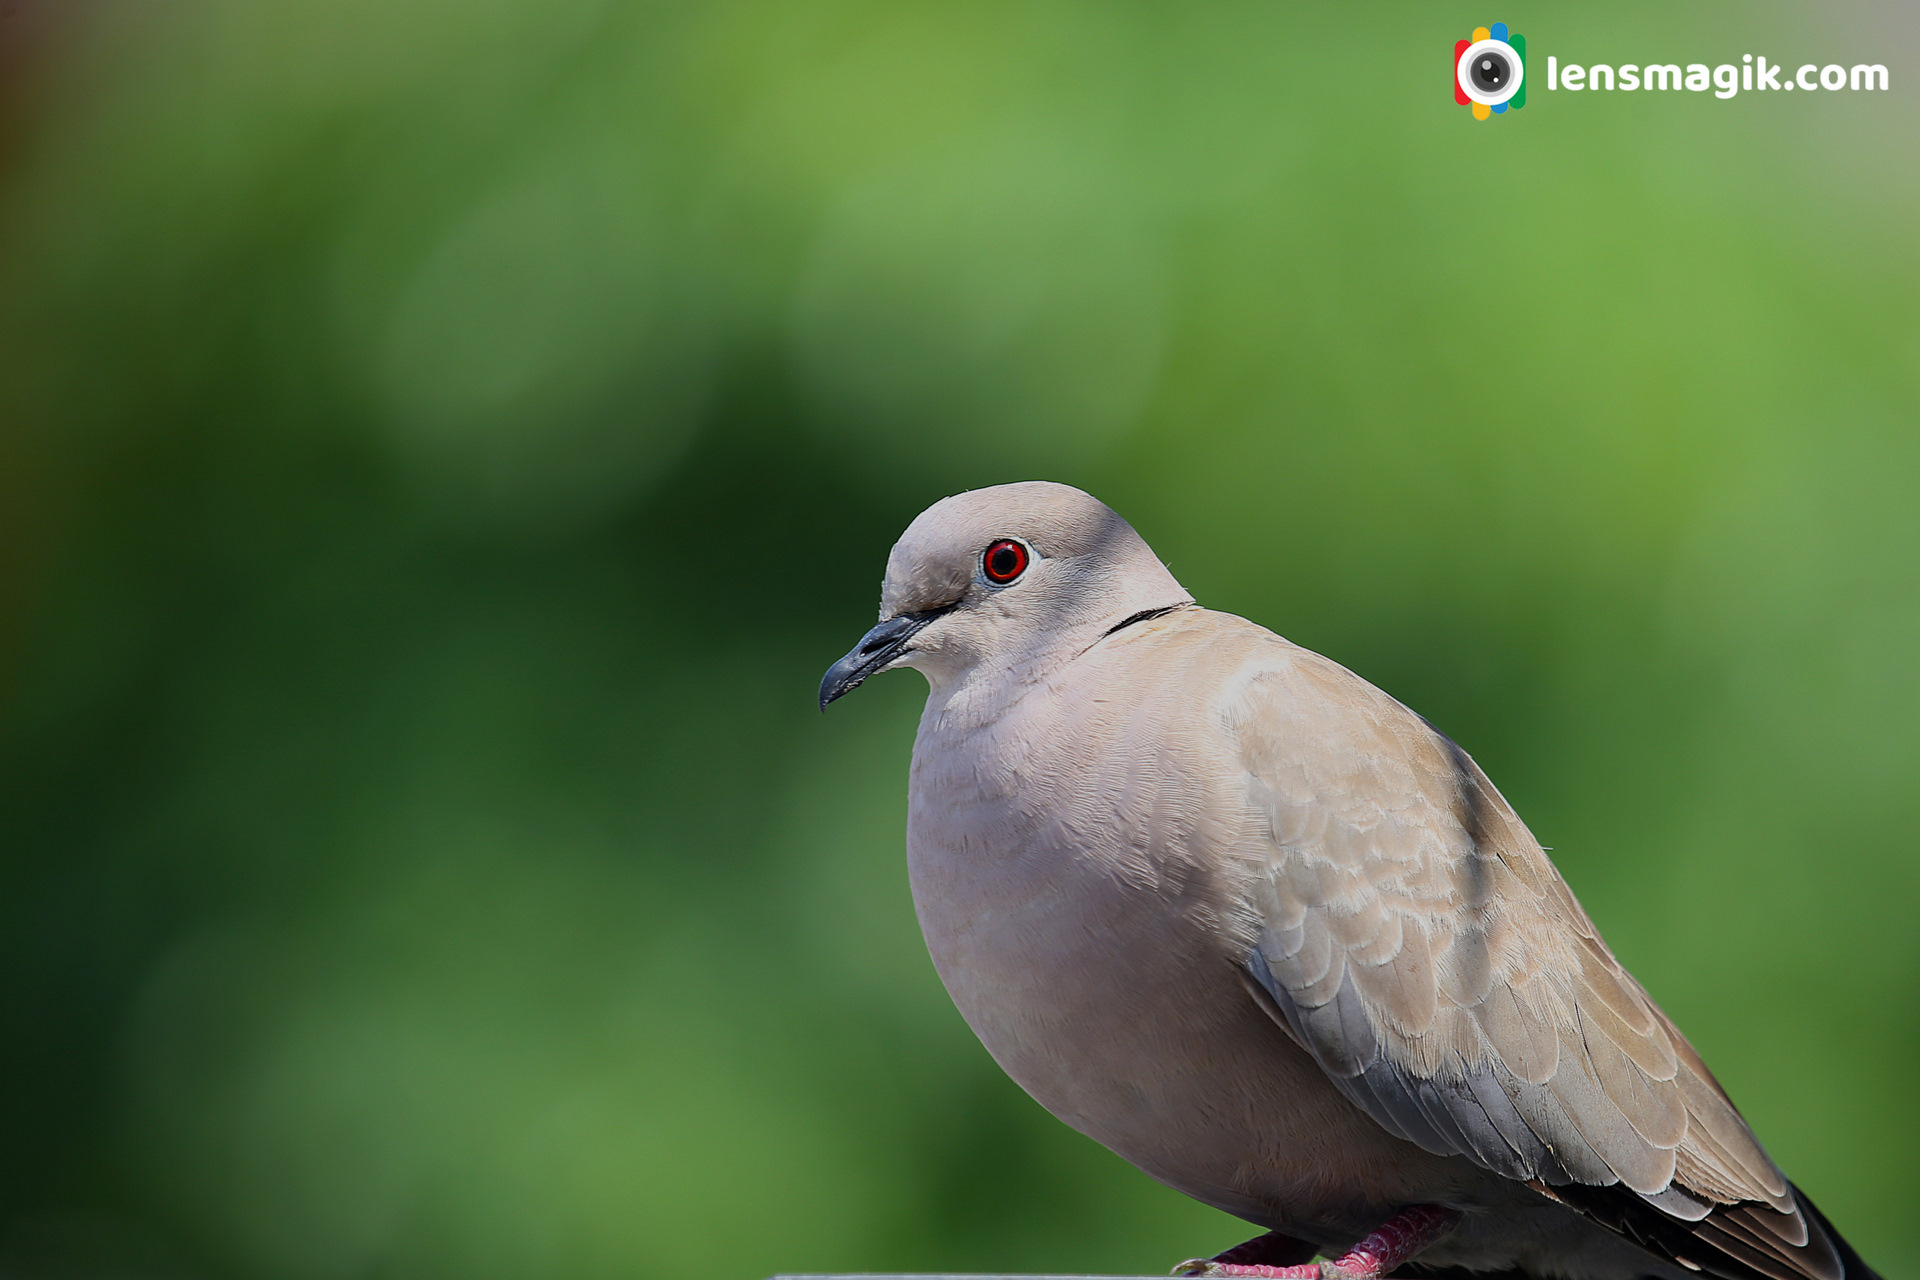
{"x": 1004, "y": 561}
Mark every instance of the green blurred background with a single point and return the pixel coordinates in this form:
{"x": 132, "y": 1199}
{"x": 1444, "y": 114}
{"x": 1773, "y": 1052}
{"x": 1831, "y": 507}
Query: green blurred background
{"x": 442, "y": 442}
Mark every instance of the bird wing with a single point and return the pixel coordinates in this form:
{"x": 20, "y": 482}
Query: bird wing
{"x": 1417, "y": 941}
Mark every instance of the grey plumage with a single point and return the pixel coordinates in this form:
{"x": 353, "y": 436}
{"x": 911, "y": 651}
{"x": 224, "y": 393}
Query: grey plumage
{"x": 1227, "y": 908}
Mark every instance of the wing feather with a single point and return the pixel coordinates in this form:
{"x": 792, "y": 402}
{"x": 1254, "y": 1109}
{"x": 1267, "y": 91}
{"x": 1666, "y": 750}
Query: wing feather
{"x": 1421, "y": 946}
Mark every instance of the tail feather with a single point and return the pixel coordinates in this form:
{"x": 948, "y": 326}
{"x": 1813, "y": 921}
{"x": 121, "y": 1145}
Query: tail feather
{"x": 1734, "y": 1242}
{"x": 1849, "y": 1257}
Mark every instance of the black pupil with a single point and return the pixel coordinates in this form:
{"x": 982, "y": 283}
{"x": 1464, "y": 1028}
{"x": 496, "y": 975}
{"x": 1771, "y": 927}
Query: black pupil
{"x": 1489, "y": 72}
{"x": 1003, "y": 561}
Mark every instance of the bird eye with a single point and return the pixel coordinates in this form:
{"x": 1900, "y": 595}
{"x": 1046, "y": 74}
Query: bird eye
{"x": 1004, "y": 561}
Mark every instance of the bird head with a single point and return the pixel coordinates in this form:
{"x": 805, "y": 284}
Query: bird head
{"x": 1012, "y": 576}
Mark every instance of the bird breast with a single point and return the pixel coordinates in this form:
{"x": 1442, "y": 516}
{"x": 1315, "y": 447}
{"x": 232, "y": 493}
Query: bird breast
{"x": 1056, "y": 869}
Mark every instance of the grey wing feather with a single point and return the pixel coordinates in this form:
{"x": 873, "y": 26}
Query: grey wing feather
{"x": 1422, "y": 947}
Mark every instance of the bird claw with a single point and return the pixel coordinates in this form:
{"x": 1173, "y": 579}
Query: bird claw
{"x": 1380, "y": 1254}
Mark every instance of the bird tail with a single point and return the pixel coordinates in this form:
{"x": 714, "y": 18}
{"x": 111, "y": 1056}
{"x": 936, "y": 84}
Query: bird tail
{"x": 1849, "y": 1257}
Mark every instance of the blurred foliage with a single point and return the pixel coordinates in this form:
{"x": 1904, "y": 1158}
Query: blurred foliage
{"x": 441, "y": 444}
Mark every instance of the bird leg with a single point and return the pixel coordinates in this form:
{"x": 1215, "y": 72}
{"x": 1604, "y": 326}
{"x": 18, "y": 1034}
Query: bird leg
{"x": 1394, "y": 1241}
{"x": 1270, "y": 1251}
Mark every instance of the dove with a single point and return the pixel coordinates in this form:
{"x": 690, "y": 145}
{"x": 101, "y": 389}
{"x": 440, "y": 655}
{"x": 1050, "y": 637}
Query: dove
{"x": 1223, "y": 906}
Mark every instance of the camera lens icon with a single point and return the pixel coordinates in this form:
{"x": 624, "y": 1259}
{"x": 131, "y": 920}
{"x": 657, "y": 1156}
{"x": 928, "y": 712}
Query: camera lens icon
{"x": 1490, "y": 72}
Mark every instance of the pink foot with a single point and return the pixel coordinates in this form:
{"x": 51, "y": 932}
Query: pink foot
{"x": 1270, "y": 1250}
{"x": 1392, "y": 1243}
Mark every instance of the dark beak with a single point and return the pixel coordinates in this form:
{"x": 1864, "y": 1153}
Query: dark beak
{"x": 876, "y": 649}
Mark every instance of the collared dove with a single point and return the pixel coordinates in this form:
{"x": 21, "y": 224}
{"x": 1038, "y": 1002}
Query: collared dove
{"x": 1223, "y": 906}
